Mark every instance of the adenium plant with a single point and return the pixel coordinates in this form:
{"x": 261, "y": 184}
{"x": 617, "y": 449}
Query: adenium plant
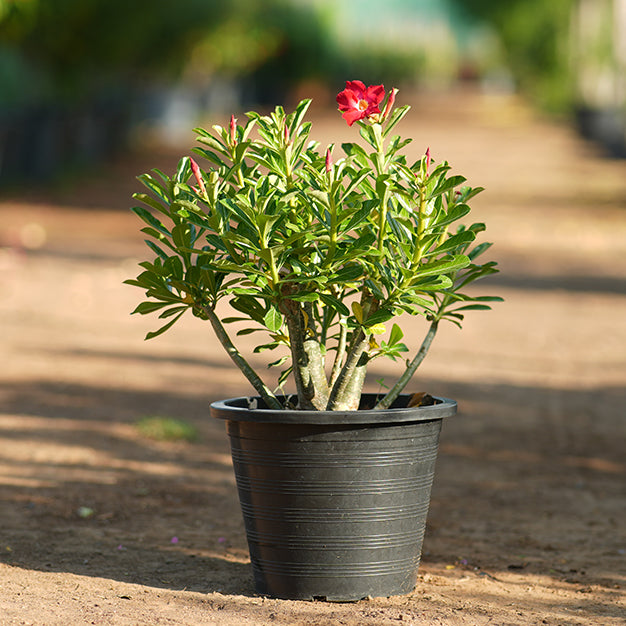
{"x": 323, "y": 255}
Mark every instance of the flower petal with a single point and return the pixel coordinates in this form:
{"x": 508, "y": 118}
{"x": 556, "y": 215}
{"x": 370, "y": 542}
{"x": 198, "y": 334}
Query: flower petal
{"x": 353, "y": 115}
{"x": 375, "y": 94}
{"x": 357, "y": 86}
{"x": 358, "y": 101}
{"x": 347, "y": 99}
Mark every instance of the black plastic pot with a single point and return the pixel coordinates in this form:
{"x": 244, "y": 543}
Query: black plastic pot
{"x": 334, "y": 502}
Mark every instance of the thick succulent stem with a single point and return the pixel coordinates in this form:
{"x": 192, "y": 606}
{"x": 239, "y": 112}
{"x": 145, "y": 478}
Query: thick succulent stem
{"x": 308, "y": 362}
{"x": 346, "y": 392}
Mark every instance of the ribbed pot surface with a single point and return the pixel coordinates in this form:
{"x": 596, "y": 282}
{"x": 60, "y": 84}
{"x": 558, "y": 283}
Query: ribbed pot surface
{"x": 335, "y": 511}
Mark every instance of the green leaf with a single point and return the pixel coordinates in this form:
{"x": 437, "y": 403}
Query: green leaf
{"x": 396, "y": 115}
{"x": 173, "y": 311}
{"x": 248, "y": 306}
{"x": 368, "y": 134}
{"x": 149, "y": 307}
{"x": 378, "y": 318}
{"x": 448, "y": 183}
{"x": 284, "y": 375}
{"x": 360, "y": 216}
{"x": 147, "y": 217}
{"x": 184, "y": 170}
{"x": 396, "y": 335}
{"x": 449, "y": 264}
{"x": 156, "y": 333}
{"x": 152, "y": 202}
{"x": 377, "y": 329}
{"x": 488, "y": 299}
{"x": 182, "y": 235}
{"x": 295, "y": 118}
{"x": 335, "y": 304}
{"x": 357, "y": 152}
{"x": 273, "y": 320}
{"x": 460, "y": 240}
{"x": 467, "y": 193}
{"x": 455, "y": 213}
{"x": 248, "y": 331}
{"x": 305, "y": 297}
{"x": 417, "y": 300}
{"x": 156, "y": 249}
{"x": 156, "y": 188}
{"x": 478, "y": 250}
{"x": 278, "y": 362}
{"x": 320, "y": 196}
{"x": 347, "y": 274}
{"x": 266, "y": 346}
{"x": 435, "y": 282}
{"x": 397, "y": 143}
{"x": 473, "y": 307}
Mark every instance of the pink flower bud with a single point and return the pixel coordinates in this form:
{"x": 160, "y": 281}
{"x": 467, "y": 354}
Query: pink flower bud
{"x": 427, "y": 160}
{"x": 329, "y": 161}
{"x": 233, "y": 130}
{"x": 286, "y": 134}
{"x": 198, "y": 174}
{"x": 390, "y": 102}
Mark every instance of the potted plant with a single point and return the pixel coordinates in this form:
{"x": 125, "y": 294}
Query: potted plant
{"x": 323, "y": 255}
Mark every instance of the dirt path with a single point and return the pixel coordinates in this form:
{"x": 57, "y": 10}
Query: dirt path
{"x": 527, "y": 518}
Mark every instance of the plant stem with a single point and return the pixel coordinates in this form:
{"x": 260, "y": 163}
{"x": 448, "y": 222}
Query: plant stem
{"x": 381, "y": 224}
{"x": 346, "y": 392}
{"x": 261, "y": 388}
{"x": 333, "y": 229}
{"x": 421, "y": 226}
{"x": 308, "y": 369}
{"x": 313, "y": 349}
{"x": 393, "y": 393}
{"x": 341, "y": 350}
{"x": 380, "y": 169}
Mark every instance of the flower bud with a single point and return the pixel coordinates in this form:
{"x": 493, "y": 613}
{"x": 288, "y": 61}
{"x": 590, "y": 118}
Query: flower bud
{"x": 329, "y": 161}
{"x": 390, "y": 102}
{"x": 427, "y": 161}
{"x": 198, "y": 174}
{"x": 233, "y": 130}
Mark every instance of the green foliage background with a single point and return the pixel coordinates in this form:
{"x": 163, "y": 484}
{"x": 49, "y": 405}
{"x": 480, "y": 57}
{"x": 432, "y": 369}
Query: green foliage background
{"x": 535, "y": 43}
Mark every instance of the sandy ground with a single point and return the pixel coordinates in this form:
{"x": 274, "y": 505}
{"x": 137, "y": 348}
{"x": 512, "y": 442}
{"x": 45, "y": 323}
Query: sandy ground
{"x": 527, "y": 518}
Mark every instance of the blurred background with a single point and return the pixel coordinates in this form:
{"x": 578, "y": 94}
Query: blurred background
{"x": 81, "y": 80}
{"x": 524, "y": 97}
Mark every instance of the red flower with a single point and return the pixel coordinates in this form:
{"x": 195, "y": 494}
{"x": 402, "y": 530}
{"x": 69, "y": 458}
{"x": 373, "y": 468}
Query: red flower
{"x": 358, "y": 101}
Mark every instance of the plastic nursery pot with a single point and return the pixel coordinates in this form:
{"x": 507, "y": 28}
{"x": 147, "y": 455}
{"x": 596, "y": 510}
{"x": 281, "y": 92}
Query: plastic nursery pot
{"x": 334, "y": 503}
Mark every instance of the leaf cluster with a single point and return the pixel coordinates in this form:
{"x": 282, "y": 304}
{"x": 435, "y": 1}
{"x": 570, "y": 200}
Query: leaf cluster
{"x": 320, "y": 255}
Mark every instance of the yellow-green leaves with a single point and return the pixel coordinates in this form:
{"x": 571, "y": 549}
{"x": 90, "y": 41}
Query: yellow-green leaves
{"x": 377, "y": 329}
{"x": 357, "y": 309}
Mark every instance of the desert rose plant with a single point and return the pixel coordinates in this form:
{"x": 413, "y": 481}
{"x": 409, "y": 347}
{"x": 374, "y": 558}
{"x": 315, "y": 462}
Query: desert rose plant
{"x": 324, "y": 254}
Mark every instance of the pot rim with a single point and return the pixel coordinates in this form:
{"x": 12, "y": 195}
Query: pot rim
{"x": 238, "y": 409}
